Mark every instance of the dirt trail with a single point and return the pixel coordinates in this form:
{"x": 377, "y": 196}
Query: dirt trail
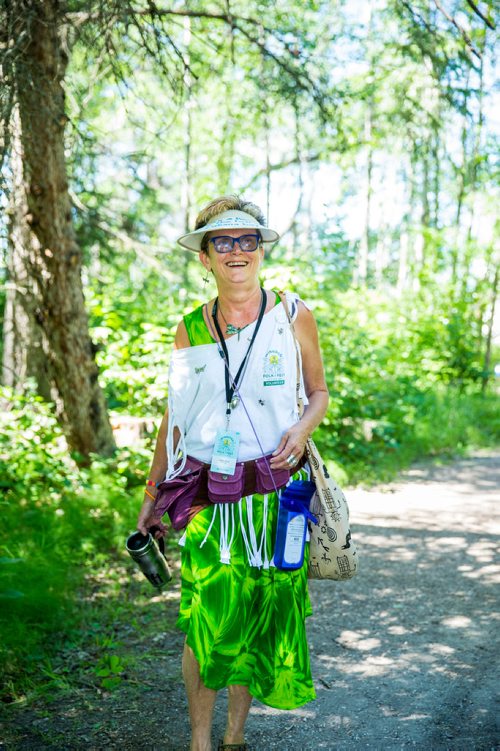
{"x": 404, "y": 656}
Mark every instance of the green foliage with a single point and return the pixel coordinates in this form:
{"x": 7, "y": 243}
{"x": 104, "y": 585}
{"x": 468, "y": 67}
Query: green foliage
{"x": 404, "y": 375}
{"x": 133, "y": 351}
{"x": 61, "y": 528}
{"x": 110, "y": 668}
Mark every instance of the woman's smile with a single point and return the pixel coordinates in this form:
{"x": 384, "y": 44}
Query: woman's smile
{"x": 236, "y": 263}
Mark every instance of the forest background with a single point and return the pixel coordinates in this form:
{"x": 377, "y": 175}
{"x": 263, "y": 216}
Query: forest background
{"x": 366, "y": 131}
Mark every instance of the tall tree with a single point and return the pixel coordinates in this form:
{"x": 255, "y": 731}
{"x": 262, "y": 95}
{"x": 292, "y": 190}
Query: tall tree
{"x": 45, "y": 258}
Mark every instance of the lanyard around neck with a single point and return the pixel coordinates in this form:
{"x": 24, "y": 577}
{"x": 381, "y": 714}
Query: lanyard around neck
{"x": 232, "y": 386}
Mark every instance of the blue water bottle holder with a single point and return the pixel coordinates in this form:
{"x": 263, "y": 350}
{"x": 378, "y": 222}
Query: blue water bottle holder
{"x": 292, "y": 524}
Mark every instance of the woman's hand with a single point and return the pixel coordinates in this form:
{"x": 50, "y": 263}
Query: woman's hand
{"x": 147, "y": 519}
{"x": 291, "y": 448}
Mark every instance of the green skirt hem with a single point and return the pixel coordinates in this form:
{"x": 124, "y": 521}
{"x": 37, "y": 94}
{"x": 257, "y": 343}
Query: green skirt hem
{"x": 218, "y": 686}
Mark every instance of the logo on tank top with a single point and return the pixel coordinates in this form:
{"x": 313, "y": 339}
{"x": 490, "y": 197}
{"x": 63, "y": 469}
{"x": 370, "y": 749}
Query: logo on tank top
{"x": 274, "y": 370}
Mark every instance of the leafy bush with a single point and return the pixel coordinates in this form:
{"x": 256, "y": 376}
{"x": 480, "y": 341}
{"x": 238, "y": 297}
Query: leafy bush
{"x": 403, "y": 383}
{"x": 60, "y": 526}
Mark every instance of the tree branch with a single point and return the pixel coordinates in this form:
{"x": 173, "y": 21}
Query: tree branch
{"x": 479, "y": 13}
{"x": 79, "y": 17}
{"x": 462, "y": 31}
{"x": 278, "y": 166}
{"x": 299, "y": 75}
{"x": 415, "y": 17}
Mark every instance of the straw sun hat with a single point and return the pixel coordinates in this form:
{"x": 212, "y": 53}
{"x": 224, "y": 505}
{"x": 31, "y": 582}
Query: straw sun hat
{"x": 227, "y": 220}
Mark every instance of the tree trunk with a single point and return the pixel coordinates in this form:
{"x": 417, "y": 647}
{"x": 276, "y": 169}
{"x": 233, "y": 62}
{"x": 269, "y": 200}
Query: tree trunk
{"x": 297, "y": 231}
{"x": 267, "y": 129}
{"x": 402, "y": 262}
{"x": 473, "y": 183}
{"x": 382, "y": 253}
{"x": 187, "y": 121}
{"x": 436, "y": 189}
{"x": 489, "y": 335}
{"x": 23, "y": 355}
{"x": 45, "y": 250}
{"x": 404, "y": 238}
{"x": 420, "y": 247}
{"x": 365, "y": 242}
{"x": 264, "y": 104}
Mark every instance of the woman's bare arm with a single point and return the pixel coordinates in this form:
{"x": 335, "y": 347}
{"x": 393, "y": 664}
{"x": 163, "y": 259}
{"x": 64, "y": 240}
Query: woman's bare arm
{"x": 157, "y": 473}
{"x": 159, "y": 464}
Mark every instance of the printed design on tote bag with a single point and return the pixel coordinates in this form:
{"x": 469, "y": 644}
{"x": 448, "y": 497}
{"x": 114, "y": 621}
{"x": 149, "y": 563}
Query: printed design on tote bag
{"x": 274, "y": 369}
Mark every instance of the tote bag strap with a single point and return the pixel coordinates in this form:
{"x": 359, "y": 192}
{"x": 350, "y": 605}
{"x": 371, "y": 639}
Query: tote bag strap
{"x": 311, "y": 451}
{"x": 300, "y": 401}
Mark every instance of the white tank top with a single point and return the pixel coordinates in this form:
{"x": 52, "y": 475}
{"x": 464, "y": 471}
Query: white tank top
{"x": 197, "y": 397}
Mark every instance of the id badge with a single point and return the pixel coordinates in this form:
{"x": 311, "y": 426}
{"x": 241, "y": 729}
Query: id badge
{"x": 225, "y": 456}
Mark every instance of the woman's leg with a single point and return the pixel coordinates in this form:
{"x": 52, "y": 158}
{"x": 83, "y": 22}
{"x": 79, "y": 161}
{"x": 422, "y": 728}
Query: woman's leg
{"x": 237, "y": 713}
{"x": 201, "y": 702}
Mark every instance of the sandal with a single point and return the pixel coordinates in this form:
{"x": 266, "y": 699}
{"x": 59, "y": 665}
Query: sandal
{"x": 234, "y": 746}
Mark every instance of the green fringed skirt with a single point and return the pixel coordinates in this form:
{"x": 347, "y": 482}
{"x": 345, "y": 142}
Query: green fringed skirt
{"x": 244, "y": 623}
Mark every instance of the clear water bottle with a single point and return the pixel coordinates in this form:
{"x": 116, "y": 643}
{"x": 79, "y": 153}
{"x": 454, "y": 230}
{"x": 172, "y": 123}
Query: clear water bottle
{"x": 292, "y": 524}
{"x": 150, "y": 558}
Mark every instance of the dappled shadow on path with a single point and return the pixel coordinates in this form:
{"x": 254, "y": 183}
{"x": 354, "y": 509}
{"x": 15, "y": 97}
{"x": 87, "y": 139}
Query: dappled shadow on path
{"x": 404, "y": 655}
{"x": 471, "y": 475}
{"x": 409, "y": 652}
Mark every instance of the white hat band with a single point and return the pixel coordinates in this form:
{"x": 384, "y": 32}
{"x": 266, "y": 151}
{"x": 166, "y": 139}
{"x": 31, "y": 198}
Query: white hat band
{"x": 227, "y": 220}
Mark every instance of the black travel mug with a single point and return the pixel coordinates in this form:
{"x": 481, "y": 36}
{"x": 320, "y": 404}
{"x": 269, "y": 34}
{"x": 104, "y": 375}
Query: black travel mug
{"x": 150, "y": 558}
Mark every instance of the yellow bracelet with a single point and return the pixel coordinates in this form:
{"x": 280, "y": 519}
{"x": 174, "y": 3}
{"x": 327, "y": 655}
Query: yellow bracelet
{"x": 153, "y": 498}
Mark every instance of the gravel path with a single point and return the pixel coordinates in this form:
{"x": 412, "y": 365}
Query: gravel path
{"x": 404, "y": 656}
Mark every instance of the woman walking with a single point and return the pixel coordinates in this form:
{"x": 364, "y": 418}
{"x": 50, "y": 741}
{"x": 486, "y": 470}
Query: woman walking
{"x": 232, "y": 399}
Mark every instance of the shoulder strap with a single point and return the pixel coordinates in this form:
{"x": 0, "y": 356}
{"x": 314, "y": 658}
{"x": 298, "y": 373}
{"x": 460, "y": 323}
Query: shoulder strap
{"x": 300, "y": 401}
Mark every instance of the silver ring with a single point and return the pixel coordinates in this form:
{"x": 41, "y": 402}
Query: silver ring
{"x": 291, "y": 459}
